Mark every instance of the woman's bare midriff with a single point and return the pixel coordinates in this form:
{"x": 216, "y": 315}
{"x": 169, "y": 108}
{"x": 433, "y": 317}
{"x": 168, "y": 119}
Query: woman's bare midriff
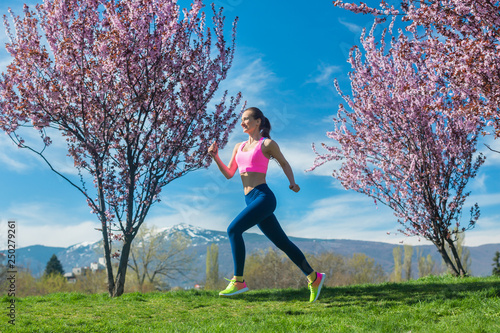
{"x": 251, "y": 180}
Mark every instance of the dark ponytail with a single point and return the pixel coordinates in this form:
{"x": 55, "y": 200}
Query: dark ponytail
{"x": 265, "y": 128}
{"x": 265, "y": 125}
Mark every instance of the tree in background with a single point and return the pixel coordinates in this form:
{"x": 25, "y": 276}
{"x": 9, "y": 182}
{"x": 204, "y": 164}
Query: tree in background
{"x": 407, "y": 261}
{"x": 212, "y": 279}
{"x": 362, "y": 269}
{"x": 54, "y": 266}
{"x": 93, "y": 282}
{"x": 426, "y": 266}
{"x": 397, "y": 273}
{"x": 127, "y": 84}
{"x": 463, "y": 253}
{"x": 28, "y": 285}
{"x": 496, "y": 264}
{"x": 403, "y": 142}
{"x": 334, "y": 265}
{"x": 153, "y": 256}
{"x": 272, "y": 269}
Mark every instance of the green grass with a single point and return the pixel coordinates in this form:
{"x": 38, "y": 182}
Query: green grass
{"x": 433, "y": 304}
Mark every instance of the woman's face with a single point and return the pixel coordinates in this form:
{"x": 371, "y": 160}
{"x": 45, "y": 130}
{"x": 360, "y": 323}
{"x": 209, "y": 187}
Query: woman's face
{"x": 248, "y": 123}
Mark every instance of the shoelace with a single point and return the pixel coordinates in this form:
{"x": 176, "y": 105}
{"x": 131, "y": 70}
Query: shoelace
{"x": 310, "y": 284}
{"x": 230, "y": 280}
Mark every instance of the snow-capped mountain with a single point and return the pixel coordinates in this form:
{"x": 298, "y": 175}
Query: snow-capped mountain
{"x": 197, "y": 235}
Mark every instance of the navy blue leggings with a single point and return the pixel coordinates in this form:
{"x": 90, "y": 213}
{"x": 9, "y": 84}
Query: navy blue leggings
{"x": 261, "y": 204}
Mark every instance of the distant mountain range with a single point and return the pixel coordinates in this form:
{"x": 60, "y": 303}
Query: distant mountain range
{"x": 82, "y": 255}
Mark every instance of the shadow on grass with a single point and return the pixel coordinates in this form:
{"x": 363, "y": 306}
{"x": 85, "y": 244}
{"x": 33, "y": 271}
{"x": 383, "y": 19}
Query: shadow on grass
{"x": 388, "y": 293}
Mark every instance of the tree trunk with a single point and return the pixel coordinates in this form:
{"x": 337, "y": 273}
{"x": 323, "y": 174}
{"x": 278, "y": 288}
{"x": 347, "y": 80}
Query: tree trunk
{"x": 122, "y": 267}
{"x": 107, "y": 256}
{"x": 442, "y": 250}
{"x": 458, "y": 260}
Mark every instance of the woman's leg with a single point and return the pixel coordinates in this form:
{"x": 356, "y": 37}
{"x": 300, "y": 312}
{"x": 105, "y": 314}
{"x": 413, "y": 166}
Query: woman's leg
{"x": 272, "y": 229}
{"x": 259, "y": 206}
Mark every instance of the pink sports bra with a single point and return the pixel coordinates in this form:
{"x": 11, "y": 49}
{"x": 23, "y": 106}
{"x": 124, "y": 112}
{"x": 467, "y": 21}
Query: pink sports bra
{"x": 253, "y": 160}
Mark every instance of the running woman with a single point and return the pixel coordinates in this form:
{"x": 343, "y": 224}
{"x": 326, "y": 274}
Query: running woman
{"x": 252, "y": 159}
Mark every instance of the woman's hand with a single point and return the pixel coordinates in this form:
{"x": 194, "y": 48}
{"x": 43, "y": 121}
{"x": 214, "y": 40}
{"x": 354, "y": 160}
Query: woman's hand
{"x": 213, "y": 149}
{"x": 294, "y": 187}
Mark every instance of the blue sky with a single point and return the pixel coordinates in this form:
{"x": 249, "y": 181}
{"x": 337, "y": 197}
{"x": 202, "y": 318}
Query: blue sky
{"x": 287, "y": 55}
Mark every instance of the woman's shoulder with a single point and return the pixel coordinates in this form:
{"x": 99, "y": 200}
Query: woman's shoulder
{"x": 237, "y": 145}
{"x": 269, "y": 146}
{"x": 267, "y": 142}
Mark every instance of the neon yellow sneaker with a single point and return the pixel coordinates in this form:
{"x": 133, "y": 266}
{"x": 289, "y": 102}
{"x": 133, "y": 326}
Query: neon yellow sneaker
{"x": 234, "y": 288}
{"x": 316, "y": 286}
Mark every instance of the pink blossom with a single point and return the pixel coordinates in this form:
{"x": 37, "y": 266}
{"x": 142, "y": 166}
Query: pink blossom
{"x": 461, "y": 38}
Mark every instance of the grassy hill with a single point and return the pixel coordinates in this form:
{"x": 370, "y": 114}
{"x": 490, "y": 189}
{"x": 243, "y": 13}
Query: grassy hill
{"x": 432, "y": 304}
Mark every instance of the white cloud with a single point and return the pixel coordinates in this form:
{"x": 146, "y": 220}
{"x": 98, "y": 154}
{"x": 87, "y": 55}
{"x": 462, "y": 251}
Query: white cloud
{"x": 486, "y": 231}
{"x": 345, "y": 216}
{"x": 354, "y": 216}
{"x": 301, "y": 157}
{"x": 484, "y": 200}
{"x": 478, "y": 184}
{"x": 492, "y": 158}
{"x": 354, "y": 28}
{"x": 324, "y": 77}
{"x": 41, "y": 213}
{"x": 206, "y": 208}
{"x": 250, "y": 75}
{"x": 12, "y": 157}
{"x": 22, "y": 159}
{"x": 57, "y": 153}
{"x": 58, "y": 235}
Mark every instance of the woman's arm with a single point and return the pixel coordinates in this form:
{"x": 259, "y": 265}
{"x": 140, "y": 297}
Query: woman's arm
{"x": 271, "y": 148}
{"x": 229, "y": 170}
